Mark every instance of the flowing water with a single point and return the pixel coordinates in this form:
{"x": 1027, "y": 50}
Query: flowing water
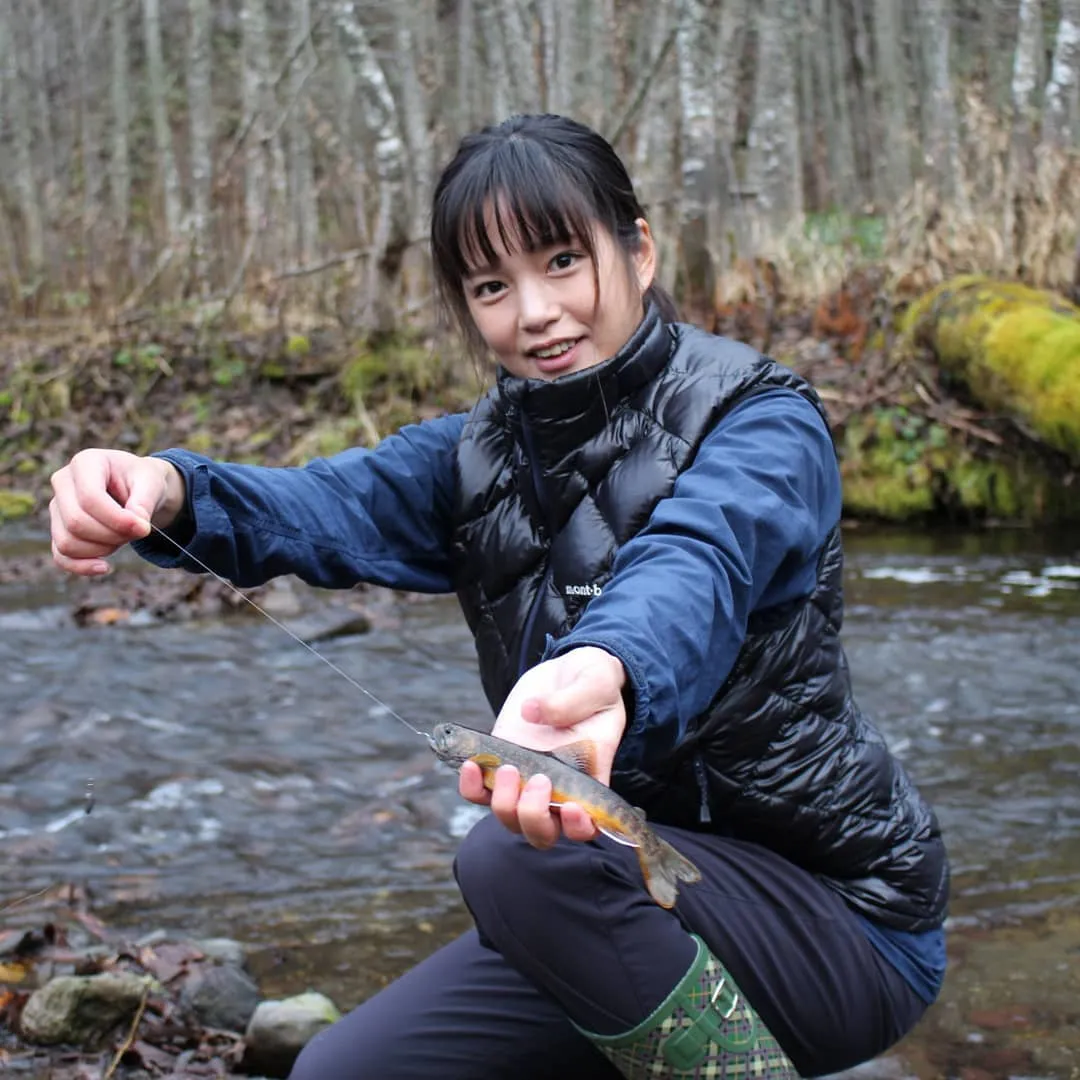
{"x": 242, "y": 788}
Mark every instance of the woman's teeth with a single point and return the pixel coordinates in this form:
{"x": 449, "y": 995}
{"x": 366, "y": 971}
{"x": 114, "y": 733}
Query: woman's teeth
{"x": 555, "y": 350}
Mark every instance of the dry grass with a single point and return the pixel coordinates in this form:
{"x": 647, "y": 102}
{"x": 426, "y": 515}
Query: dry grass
{"x": 1001, "y": 223}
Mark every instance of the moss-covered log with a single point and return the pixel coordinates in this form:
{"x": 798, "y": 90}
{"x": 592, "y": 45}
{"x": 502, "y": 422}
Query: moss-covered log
{"x": 1015, "y": 349}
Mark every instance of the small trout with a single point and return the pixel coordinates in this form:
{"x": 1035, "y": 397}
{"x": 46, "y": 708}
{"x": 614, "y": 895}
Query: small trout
{"x": 570, "y": 769}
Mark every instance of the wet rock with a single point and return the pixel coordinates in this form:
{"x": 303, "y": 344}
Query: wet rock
{"x": 222, "y": 950}
{"x": 331, "y": 623}
{"x": 221, "y": 995}
{"x": 82, "y": 1009}
{"x": 279, "y": 1030}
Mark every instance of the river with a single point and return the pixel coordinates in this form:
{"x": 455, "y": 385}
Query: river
{"x": 242, "y": 788}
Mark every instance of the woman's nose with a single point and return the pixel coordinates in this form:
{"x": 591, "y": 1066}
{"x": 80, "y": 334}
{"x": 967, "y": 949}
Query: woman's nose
{"x": 537, "y": 307}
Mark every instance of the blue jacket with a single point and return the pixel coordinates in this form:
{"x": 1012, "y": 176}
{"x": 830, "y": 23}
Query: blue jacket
{"x": 764, "y": 490}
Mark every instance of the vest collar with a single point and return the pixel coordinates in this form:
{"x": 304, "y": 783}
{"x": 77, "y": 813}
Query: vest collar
{"x": 562, "y": 413}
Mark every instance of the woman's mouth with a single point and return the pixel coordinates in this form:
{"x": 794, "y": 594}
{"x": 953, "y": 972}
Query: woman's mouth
{"x": 557, "y": 358}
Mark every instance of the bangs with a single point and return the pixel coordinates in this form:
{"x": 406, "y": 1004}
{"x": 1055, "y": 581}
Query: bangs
{"x": 517, "y": 196}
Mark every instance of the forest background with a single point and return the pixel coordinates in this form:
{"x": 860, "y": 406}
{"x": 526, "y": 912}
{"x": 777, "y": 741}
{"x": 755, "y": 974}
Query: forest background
{"x": 213, "y": 213}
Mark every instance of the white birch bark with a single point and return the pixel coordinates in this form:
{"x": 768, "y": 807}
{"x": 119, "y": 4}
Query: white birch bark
{"x": 892, "y": 82}
{"x": 774, "y": 130}
{"x": 1061, "y": 87}
{"x": 1025, "y": 78}
{"x": 697, "y": 143}
{"x": 389, "y": 236}
{"x": 939, "y": 103}
{"x": 496, "y": 77}
{"x": 163, "y": 141}
{"x": 81, "y": 14}
{"x": 303, "y": 216}
{"x": 519, "y": 52}
{"x": 830, "y": 91}
{"x": 414, "y": 120}
{"x": 120, "y": 105}
{"x": 40, "y": 34}
{"x": 15, "y": 108}
{"x": 201, "y": 118}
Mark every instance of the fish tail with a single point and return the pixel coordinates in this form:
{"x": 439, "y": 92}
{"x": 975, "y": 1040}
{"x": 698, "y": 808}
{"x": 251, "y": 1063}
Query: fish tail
{"x": 663, "y": 868}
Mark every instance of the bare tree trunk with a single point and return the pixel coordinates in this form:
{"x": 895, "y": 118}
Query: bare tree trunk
{"x": 893, "y": 96}
{"x": 159, "y": 110}
{"x": 1064, "y": 77}
{"x": 39, "y": 73}
{"x": 120, "y": 101}
{"x": 1026, "y": 77}
{"x": 774, "y": 130}
{"x": 939, "y": 106}
{"x": 697, "y": 147}
{"x": 82, "y": 22}
{"x": 729, "y": 226}
{"x": 497, "y": 81}
{"x": 201, "y": 110}
{"x": 831, "y": 91}
{"x": 17, "y": 114}
{"x": 518, "y": 47}
{"x": 303, "y": 214}
{"x": 389, "y": 237}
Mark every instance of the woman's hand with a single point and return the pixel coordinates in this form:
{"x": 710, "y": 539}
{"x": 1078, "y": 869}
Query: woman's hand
{"x": 574, "y": 696}
{"x": 104, "y": 498}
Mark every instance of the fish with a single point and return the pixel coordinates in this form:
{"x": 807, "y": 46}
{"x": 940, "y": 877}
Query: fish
{"x": 571, "y": 770}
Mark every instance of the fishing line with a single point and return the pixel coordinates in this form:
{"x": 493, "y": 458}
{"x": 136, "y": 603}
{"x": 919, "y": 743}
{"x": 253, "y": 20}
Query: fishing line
{"x": 296, "y": 637}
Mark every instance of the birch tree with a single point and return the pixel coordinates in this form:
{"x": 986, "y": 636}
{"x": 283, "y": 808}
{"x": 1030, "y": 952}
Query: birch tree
{"x": 697, "y": 143}
{"x": 303, "y": 211}
{"x": 893, "y": 97}
{"x": 774, "y": 130}
{"x": 831, "y": 92}
{"x": 201, "y": 111}
{"x": 120, "y": 104}
{"x": 157, "y": 88}
{"x": 939, "y": 103}
{"x": 1025, "y": 79}
{"x": 40, "y": 35}
{"x": 1060, "y": 100}
{"x": 389, "y": 236}
{"x": 17, "y": 113}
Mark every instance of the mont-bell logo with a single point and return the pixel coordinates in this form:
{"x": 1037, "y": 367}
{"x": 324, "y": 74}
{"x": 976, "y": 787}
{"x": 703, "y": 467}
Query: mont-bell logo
{"x": 583, "y": 590}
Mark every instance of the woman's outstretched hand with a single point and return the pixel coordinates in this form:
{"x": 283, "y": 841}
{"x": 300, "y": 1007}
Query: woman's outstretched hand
{"x": 104, "y": 498}
{"x": 574, "y": 696}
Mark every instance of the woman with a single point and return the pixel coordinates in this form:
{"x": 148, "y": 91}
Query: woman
{"x": 641, "y": 521}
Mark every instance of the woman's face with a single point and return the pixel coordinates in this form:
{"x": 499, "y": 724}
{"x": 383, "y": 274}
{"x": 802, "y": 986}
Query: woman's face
{"x": 540, "y": 313}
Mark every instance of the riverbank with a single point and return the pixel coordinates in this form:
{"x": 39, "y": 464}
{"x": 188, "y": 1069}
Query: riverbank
{"x": 914, "y": 444}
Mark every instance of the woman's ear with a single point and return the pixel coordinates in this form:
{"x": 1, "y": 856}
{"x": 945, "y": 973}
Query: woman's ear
{"x": 644, "y": 258}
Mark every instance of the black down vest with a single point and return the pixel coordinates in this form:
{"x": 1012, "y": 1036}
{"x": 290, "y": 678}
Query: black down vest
{"x": 553, "y": 477}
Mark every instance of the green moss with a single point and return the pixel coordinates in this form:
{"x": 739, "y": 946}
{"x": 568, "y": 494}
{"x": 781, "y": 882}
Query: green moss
{"x": 396, "y": 365}
{"x": 15, "y": 504}
{"x": 898, "y": 466}
{"x": 1017, "y": 349}
{"x": 297, "y": 346}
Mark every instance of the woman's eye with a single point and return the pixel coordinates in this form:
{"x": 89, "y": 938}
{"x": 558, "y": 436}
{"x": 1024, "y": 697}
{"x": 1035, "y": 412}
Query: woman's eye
{"x": 486, "y": 289}
{"x": 564, "y": 260}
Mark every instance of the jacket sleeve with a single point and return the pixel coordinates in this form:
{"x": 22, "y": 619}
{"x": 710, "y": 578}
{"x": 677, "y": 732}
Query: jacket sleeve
{"x": 741, "y": 531}
{"x": 380, "y": 516}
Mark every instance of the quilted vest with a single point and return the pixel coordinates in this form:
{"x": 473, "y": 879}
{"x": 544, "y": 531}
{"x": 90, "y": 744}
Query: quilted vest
{"x": 553, "y": 477}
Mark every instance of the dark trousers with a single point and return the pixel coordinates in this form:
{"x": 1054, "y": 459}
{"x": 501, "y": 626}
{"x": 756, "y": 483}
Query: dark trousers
{"x": 571, "y": 932}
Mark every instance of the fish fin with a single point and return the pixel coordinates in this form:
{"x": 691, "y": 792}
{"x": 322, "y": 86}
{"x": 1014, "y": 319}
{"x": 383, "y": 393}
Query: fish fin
{"x": 618, "y": 837}
{"x": 579, "y": 755}
{"x": 639, "y": 813}
{"x": 663, "y": 868}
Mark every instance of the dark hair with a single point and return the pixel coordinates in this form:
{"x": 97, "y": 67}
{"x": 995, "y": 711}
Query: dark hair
{"x": 545, "y": 178}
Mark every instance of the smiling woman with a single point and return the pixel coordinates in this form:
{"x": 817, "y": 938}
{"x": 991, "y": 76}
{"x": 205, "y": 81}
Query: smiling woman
{"x": 641, "y": 523}
{"x": 553, "y": 309}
